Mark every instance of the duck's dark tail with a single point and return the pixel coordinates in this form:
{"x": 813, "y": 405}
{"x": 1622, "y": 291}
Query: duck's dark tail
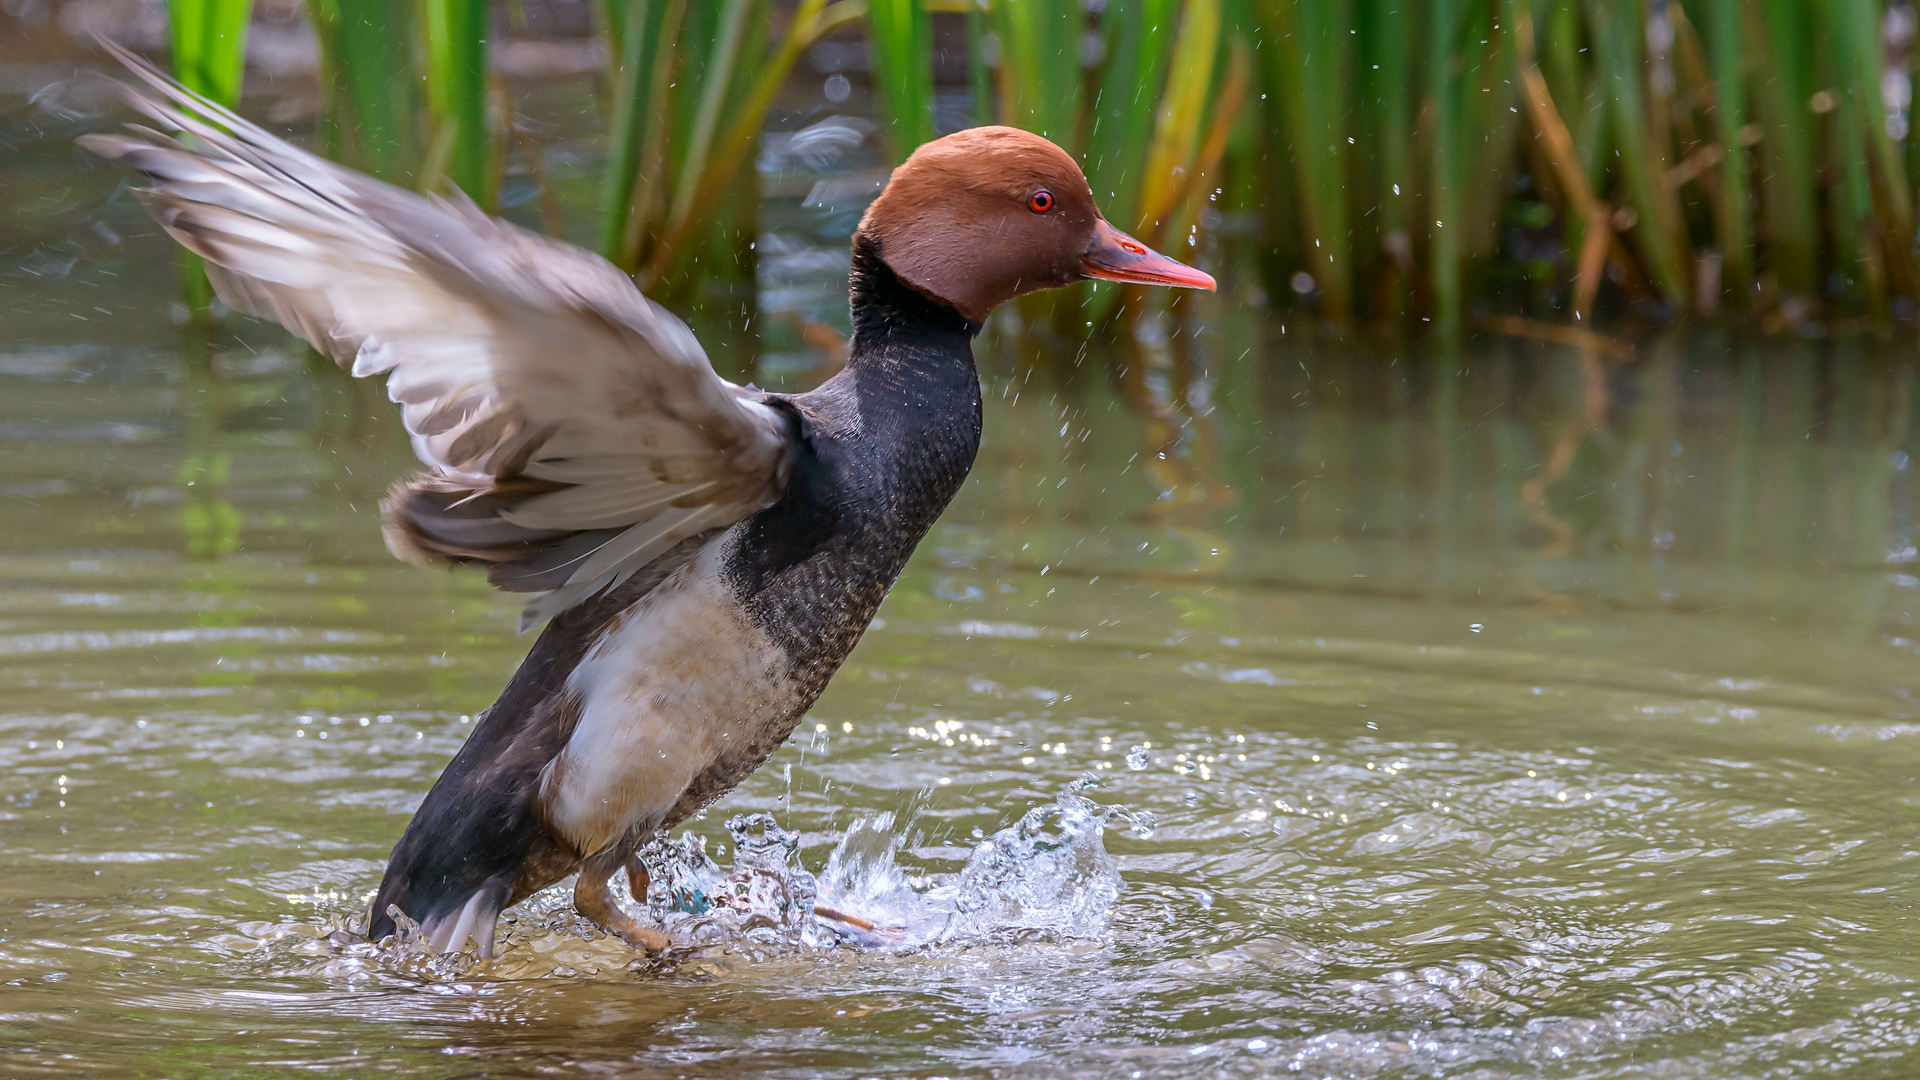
{"x": 475, "y": 846}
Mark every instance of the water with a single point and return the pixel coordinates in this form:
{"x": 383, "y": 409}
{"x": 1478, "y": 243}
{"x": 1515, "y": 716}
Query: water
{"x": 1475, "y": 712}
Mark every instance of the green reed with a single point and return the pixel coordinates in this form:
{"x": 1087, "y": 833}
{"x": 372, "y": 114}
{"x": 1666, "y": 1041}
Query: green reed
{"x": 1619, "y": 34}
{"x": 406, "y": 114}
{"x": 1733, "y": 204}
{"x": 900, "y": 33}
{"x": 1313, "y": 74}
{"x": 1731, "y": 153}
{"x": 208, "y": 40}
{"x": 1137, "y": 44}
{"x": 692, "y": 87}
{"x": 1439, "y": 160}
{"x": 1041, "y": 83}
{"x": 209, "y": 43}
{"x": 456, "y": 78}
{"x": 369, "y": 106}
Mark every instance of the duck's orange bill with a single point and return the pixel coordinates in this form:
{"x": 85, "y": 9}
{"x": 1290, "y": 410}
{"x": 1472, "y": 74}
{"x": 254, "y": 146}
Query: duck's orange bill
{"x": 1115, "y": 256}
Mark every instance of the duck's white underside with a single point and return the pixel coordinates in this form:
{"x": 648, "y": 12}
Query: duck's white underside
{"x": 680, "y": 679}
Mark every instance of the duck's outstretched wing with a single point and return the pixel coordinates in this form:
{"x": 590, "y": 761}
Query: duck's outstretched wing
{"x": 573, "y": 429}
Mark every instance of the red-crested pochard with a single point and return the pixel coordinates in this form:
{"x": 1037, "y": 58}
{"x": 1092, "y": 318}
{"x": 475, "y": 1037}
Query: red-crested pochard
{"x": 704, "y": 555}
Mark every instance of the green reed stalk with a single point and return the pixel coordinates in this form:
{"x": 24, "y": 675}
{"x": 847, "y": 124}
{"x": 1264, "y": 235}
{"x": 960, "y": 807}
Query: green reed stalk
{"x": 714, "y": 83}
{"x": 1732, "y": 212}
{"x": 1162, "y": 118}
{"x": 1863, "y": 126}
{"x": 1562, "y": 56}
{"x": 979, "y": 75}
{"x": 637, "y": 37}
{"x": 1139, "y": 37}
{"x": 1850, "y": 198}
{"x": 1560, "y": 51}
{"x": 1309, "y": 61}
{"x": 1173, "y": 155}
{"x": 209, "y": 42}
{"x": 209, "y": 45}
{"x": 900, "y": 34}
{"x": 456, "y": 39}
{"x": 1618, "y": 32}
{"x": 757, "y": 78}
{"x": 1040, "y": 74}
{"x": 1850, "y": 210}
{"x": 1586, "y": 109}
{"x": 1386, "y": 62}
{"x": 1780, "y": 41}
{"x": 367, "y": 69}
{"x": 1446, "y": 154}
{"x": 1493, "y": 136}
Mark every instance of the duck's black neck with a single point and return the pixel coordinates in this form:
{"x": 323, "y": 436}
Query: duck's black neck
{"x": 888, "y": 311}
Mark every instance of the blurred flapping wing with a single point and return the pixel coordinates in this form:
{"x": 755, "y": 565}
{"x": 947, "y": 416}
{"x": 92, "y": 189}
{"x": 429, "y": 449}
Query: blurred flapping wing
{"x": 573, "y": 430}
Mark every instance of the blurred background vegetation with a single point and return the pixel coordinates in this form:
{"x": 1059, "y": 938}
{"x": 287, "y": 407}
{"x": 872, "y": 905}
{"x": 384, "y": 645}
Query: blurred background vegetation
{"x": 1529, "y": 165}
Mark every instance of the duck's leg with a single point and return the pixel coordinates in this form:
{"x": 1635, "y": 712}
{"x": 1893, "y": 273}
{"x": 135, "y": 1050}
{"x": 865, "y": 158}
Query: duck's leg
{"x": 593, "y": 897}
{"x": 638, "y": 879}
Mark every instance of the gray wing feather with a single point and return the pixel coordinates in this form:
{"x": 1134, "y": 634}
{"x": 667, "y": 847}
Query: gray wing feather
{"x": 574, "y": 430}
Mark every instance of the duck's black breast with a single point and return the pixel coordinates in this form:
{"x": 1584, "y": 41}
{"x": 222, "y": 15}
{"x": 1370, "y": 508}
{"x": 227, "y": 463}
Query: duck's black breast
{"x": 867, "y": 484}
{"x": 882, "y": 449}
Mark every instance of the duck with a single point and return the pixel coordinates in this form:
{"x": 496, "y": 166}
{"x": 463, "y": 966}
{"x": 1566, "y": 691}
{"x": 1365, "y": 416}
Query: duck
{"x": 699, "y": 557}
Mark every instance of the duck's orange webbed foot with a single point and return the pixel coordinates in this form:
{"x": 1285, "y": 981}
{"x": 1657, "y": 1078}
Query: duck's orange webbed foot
{"x": 593, "y": 898}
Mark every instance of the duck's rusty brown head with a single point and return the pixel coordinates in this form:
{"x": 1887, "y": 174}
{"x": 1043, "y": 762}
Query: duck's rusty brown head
{"x": 987, "y": 214}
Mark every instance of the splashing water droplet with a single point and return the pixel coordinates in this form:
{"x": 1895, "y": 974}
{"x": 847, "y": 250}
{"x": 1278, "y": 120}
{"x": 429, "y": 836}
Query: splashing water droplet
{"x": 1048, "y": 873}
{"x": 768, "y": 882}
{"x": 768, "y": 897}
{"x": 1138, "y": 758}
{"x": 684, "y": 879}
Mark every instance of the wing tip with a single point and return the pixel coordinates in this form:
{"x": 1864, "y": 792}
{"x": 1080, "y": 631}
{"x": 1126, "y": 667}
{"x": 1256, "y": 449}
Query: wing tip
{"x": 401, "y": 543}
{"x": 110, "y": 147}
{"x": 533, "y": 615}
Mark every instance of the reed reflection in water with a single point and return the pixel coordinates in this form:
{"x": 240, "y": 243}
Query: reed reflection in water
{"x": 1692, "y": 473}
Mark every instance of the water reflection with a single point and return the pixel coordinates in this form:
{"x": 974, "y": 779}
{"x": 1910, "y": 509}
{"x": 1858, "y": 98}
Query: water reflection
{"x": 1696, "y": 474}
{"x": 1498, "y": 703}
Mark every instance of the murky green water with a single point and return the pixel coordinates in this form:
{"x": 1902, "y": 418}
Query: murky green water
{"x": 1503, "y": 717}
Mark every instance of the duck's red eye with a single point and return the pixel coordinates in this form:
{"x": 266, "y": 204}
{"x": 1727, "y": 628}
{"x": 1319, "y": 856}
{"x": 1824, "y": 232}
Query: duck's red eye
{"x": 1041, "y": 202}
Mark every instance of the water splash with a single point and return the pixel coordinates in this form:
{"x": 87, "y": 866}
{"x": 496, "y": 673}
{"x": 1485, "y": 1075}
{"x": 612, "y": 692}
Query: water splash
{"x": 768, "y": 896}
{"x": 1048, "y": 873}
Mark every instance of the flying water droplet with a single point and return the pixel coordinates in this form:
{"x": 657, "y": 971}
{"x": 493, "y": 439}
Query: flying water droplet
{"x": 1138, "y": 758}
